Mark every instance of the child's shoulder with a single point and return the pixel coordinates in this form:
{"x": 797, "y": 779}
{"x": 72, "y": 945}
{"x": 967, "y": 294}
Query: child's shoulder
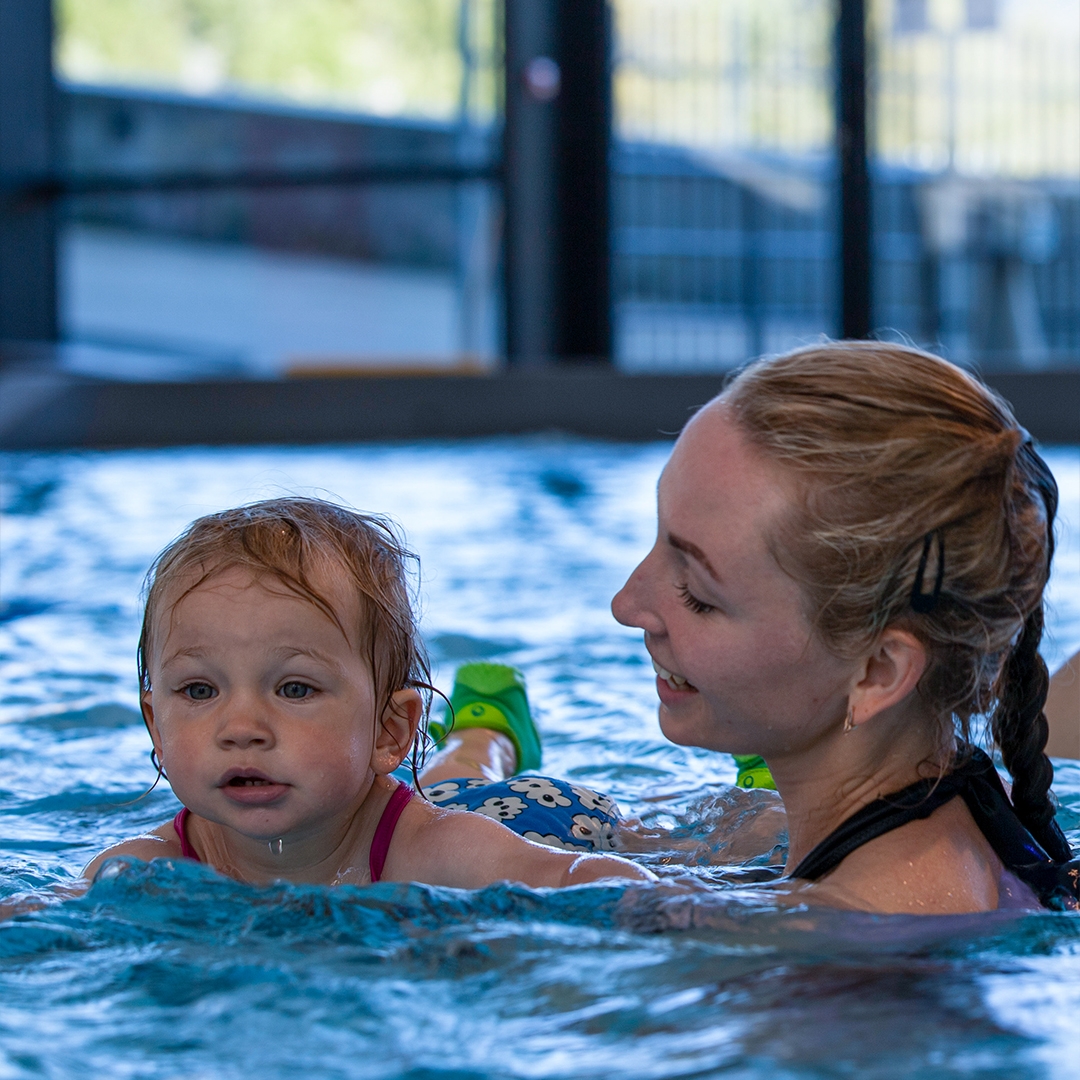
{"x": 443, "y": 846}
{"x": 453, "y": 847}
{"x": 161, "y": 843}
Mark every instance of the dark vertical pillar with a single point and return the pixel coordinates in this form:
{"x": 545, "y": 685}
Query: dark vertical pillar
{"x": 533, "y": 85}
{"x": 583, "y": 267}
{"x": 856, "y": 298}
{"x": 27, "y": 228}
{"x": 556, "y": 147}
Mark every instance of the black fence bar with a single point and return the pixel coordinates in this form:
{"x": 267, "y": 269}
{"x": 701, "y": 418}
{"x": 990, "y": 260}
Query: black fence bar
{"x": 533, "y": 83}
{"x": 556, "y": 152}
{"x": 583, "y": 187}
{"x": 27, "y": 145}
{"x": 24, "y": 191}
{"x": 856, "y": 283}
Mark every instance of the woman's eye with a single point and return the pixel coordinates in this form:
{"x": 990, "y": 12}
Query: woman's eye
{"x": 693, "y": 603}
{"x": 294, "y": 691}
{"x": 199, "y": 691}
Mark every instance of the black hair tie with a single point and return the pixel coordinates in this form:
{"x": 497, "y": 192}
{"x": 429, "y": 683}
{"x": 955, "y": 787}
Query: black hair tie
{"x": 924, "y": 602}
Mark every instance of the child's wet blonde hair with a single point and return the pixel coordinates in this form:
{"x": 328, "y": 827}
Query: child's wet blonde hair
{"x": 298, "y": 540}
{"x": 908, "y": 467}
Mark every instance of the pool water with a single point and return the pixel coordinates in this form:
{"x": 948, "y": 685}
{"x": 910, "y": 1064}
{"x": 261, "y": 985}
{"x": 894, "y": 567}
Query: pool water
{"x": 168, "y": 970}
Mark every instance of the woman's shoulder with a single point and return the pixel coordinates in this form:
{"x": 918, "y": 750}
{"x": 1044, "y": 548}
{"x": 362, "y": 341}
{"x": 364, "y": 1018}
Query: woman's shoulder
{"x": 940, "y": 865}
{"x": 160, "y": 843}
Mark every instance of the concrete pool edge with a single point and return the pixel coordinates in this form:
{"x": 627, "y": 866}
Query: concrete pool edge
{"x": 45, "y": 410}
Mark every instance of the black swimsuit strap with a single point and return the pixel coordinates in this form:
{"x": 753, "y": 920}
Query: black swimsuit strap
{"x": 915, "y": 802}
{"x": 977, "y": 782}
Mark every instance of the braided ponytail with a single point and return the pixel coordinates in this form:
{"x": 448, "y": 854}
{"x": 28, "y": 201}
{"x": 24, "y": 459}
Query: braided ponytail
{"x": 1019, "y": 723}
{"x": 1020, "y": 731}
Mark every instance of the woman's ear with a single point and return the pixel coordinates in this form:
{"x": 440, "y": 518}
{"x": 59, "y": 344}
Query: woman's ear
{"x": 397, "y": 730}
{"x": 888, "y": 675}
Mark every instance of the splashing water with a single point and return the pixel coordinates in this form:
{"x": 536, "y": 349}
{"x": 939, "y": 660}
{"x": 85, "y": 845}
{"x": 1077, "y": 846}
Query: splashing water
{"x": 169, "y": 970}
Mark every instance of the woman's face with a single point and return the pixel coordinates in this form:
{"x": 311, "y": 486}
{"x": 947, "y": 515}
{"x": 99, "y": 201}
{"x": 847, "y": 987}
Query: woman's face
{"x": 718, "y": 611}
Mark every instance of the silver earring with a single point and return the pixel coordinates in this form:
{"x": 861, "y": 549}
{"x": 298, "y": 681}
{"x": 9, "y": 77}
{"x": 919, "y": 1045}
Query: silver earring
{"x": 849, "y": 720}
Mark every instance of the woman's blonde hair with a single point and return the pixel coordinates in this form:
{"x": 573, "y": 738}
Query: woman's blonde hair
{"x": 295, "y": 540}
{"x": 923, "y": 505}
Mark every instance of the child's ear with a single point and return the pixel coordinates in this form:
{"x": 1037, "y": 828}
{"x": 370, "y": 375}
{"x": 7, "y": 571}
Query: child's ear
{"x": 146, "y": 703}
{"x": 397, "y": 730}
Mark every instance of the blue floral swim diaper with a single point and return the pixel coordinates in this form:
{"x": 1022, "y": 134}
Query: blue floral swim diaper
{"x": 540, "y": 808}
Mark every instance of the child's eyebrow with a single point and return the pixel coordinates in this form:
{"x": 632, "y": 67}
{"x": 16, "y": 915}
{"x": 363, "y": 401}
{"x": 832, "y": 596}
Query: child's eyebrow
{"x": 195, "y": 652}
{"x": 287, "y": 652}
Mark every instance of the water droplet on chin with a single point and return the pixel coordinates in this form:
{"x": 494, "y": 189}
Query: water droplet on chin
{"x": 276, "y": 845}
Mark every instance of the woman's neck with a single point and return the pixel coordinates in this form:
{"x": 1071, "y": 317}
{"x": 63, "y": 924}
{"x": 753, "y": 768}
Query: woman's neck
{"x": 824, "y": 784}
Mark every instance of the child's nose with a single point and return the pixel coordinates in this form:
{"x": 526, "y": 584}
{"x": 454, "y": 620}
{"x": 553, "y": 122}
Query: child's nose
{"x": 242, "y": 725}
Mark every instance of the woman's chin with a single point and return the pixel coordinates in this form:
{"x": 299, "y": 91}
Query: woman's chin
{"x": 690, "y": 724}
{"x": 683, "y": 727}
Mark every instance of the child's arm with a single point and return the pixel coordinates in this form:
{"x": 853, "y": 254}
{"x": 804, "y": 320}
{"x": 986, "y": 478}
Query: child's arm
{"x": 156, "y": 845}
{"x": 24, "y": 903}
{"x": 468, "y": 851}
{"x": 162, "y": 843}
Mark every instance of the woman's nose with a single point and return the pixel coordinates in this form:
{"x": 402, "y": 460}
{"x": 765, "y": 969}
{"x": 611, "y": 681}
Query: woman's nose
{"x": 631, "y": 604}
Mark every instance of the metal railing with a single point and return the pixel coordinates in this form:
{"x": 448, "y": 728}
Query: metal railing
{"x": 726, "y": 189}
{"x": 726, "y": 186}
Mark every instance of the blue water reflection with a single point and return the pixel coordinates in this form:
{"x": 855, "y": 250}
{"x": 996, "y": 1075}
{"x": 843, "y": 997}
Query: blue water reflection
{"x": 169, "y": 971}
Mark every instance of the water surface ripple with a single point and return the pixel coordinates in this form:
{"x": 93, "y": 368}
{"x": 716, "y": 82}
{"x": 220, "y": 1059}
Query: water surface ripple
{"x": 167, "y": 970}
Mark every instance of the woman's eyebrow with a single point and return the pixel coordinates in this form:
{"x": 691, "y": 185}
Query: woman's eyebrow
{"x": 688, "y": 548}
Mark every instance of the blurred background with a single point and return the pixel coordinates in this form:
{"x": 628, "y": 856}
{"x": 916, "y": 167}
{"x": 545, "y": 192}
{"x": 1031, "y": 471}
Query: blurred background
{"x": 260, "y": 189}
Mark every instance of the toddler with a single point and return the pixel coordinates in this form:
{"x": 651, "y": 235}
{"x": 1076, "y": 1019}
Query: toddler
{"x": 283, "y": 682}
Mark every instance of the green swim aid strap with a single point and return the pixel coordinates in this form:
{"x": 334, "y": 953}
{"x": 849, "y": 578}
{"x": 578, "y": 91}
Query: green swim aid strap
{"x": 492, "y": 696}
{"x": 753, "y": 772}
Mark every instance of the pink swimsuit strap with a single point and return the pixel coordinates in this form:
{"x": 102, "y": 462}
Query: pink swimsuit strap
{"x": 380, "y": 842}
{"x": 180, "y": 825}
{"x": 384, "y": 831}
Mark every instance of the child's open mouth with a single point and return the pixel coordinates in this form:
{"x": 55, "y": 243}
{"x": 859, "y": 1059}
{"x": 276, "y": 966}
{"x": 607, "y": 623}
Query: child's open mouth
{"x": 251, "y": 787}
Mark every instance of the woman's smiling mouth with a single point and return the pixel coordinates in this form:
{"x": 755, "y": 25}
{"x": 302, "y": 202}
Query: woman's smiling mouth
{"x": 674, "y": 682}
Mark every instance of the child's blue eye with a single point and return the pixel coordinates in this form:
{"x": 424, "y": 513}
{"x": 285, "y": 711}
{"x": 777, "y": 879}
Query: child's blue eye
{"x": 199, "y": 691}
{"x": 296, "y": 690}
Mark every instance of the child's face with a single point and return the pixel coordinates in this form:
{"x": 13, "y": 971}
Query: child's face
{"x": 263, "y": 712}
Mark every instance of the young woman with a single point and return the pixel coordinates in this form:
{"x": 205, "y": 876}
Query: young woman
{"x": 853, "y": 544}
